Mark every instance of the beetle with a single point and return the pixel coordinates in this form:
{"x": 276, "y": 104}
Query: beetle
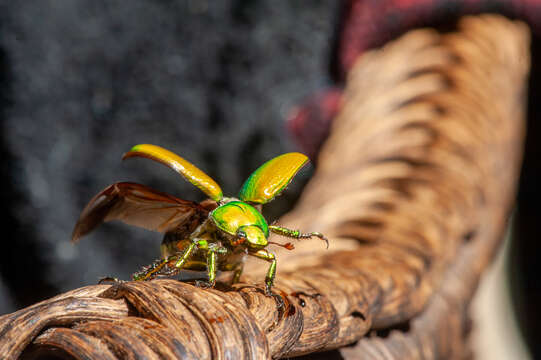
{"x": 215, "y": 234}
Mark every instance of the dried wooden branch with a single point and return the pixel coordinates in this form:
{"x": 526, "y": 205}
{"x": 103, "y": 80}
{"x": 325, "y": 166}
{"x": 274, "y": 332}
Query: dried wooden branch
{"x": 413, "y": 186}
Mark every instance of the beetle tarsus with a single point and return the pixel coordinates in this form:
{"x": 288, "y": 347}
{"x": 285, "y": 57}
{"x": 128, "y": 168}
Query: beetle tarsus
{"x": 296, "y": 234}
{"x": 158, "y": 267}
{"x": 169, "y": 271}
{"x": 268, "y": 290}
{"x": 280, "y": 303}
{"x": 316, "y": 234}
{"x": 204, "y": 284}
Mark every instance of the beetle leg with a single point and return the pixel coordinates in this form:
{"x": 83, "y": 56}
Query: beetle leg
{"x": 212, "y": 257}
{"x": 212, "y": 265}
{"x": 271, "y": 273}
{"x": 185, "y": 255}
{"x": 151, "y": 271}
{"x": 296, "y": 234}
{"x": 238, "y": 272}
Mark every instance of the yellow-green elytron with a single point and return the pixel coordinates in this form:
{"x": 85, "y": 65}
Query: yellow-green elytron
{"x": 214, "y": 235}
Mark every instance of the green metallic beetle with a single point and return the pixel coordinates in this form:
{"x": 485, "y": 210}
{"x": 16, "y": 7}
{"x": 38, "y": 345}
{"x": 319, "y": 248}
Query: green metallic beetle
{"x": 215, "y": 234}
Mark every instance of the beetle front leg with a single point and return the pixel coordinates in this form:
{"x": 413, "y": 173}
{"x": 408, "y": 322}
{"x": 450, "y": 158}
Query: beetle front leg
{"x": 296, "y": 234}
{"x": 271, "y": 273}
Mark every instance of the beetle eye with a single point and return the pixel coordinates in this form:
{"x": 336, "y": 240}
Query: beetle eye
{"x": 241, "y": 234}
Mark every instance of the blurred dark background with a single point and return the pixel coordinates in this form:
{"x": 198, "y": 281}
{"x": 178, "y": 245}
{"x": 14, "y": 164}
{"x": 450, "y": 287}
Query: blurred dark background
{"x": 83, "y": 81}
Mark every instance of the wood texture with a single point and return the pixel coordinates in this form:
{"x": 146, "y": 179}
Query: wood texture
{"x": 413, "y": 187}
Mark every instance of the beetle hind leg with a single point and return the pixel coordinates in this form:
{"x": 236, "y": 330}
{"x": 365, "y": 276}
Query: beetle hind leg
{"x": 237, "y": 273}
{"x": 236, "y": 268}
{"x": 158, "y": 267}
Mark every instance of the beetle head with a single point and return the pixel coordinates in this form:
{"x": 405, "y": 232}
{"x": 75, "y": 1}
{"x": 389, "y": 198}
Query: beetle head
{"x": 255, "y": 238}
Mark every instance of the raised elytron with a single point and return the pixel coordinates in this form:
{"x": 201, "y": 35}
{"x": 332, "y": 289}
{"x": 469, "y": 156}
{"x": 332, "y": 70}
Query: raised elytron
{"x": 216, "y": 234}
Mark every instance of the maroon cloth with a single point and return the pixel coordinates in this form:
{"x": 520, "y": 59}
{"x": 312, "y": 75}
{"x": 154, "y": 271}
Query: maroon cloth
{"x": 366, "y": 24}
{"x": 310, "y": 122}
{"x": 370, "y": 23}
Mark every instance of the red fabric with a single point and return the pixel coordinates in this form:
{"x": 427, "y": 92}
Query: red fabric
{"x": 366, "y": 24}
{"x": 310, "y": 122}
{"x": 370, "y": 23}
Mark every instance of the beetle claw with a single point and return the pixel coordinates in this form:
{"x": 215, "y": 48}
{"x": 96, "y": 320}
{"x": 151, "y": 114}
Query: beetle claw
{"x": 204, "y": 284}
{"x": 321, "y": 236}
{"x": 277, "y": 297}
